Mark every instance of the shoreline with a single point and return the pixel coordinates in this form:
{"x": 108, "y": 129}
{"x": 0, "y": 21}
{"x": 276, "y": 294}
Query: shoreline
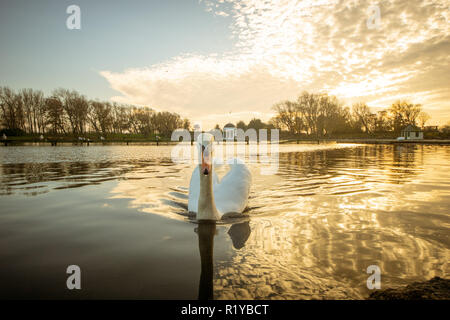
{"x": 18, "y": 141}
{"x": 368, "y": 141}
{"x": 394, "y": 141}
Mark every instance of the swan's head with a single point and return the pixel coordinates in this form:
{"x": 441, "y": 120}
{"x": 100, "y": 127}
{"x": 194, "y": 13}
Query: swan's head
{"x": 205, "y": 145}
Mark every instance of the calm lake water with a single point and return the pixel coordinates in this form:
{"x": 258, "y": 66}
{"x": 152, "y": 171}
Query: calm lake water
{"x": 313, "y": 228}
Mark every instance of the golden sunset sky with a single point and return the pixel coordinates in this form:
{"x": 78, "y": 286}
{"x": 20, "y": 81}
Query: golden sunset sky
{"x": 221, "y": 61}
{"x": 284, "y": 47}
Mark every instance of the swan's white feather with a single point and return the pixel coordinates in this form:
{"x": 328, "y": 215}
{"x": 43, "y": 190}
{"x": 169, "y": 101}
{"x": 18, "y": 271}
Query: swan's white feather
{"x": 230, "y": 193}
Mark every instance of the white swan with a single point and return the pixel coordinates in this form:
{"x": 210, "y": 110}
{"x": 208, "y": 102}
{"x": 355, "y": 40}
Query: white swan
{"x": 210, "y": 198}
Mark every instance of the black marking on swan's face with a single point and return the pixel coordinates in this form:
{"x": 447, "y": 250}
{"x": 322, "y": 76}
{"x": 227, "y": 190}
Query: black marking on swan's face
{"x": 206, "y": 154}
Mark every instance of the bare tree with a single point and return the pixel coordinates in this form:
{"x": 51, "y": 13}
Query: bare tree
{"x": 288, "y": 115}
{"x": 75, "y": 106}
{"x": 240, "y": 125}
{"x": 364, "y": 115}
{"x": 100, "y": 116}
{"x": 122, "y": 117}
{"x": 11, "y": 104}
{"x": 27, "y": 99}
{"x": 166, "y": 122}
{"x": 68, "y": 111}
{"x": 423, "y": 118}
{"x": 404, "y": 113}
{"x": 331, "y": 115}
{"x": 55, "y": 115}
{"x": 34, "y": 110}
{"x": 309, "y": 105}
{"x": 382, "y": 121}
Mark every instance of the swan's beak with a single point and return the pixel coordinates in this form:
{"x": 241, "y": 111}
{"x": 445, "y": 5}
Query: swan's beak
{"x": 206, "y": 162}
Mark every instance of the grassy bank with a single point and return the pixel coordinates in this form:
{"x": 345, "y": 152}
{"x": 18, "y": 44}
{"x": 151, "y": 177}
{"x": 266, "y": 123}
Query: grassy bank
{"x": 153, "y": 139}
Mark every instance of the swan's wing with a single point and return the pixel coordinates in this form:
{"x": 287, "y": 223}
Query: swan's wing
{"x": 231, "y": 194}
{"x": 194, "y": 189}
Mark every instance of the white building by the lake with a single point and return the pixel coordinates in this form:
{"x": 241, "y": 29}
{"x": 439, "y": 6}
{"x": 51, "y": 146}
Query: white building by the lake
{"x": 411, "y": 132}
{"x": 229, "y": 132}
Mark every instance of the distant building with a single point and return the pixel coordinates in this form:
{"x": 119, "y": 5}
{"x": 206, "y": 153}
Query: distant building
{"x": 411, "y": 132}
{"x": 229, "y": 132}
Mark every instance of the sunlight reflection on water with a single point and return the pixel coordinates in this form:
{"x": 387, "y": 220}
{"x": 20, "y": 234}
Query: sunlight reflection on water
{"x": 313, "y": 228}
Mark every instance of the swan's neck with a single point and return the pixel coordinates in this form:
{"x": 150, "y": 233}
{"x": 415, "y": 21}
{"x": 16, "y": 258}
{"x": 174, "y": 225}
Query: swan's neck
{"x": 206, "y": 206}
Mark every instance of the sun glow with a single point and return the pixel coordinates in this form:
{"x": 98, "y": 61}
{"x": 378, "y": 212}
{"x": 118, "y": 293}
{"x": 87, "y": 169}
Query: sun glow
{"x": 284, "y": 47}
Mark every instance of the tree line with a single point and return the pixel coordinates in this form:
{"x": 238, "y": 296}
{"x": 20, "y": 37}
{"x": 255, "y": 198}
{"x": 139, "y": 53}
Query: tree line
{"x": 322, "y": 115}
{"x": 67, "y": 112}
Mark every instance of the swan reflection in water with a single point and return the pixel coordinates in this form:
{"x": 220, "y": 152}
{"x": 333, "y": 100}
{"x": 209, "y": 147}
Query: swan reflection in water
{"x": 206, "y": 230}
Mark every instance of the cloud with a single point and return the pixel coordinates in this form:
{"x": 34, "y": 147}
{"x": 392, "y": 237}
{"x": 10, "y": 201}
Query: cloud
{"x": 284, "y": 47}
{"x": 199, "y": 86}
